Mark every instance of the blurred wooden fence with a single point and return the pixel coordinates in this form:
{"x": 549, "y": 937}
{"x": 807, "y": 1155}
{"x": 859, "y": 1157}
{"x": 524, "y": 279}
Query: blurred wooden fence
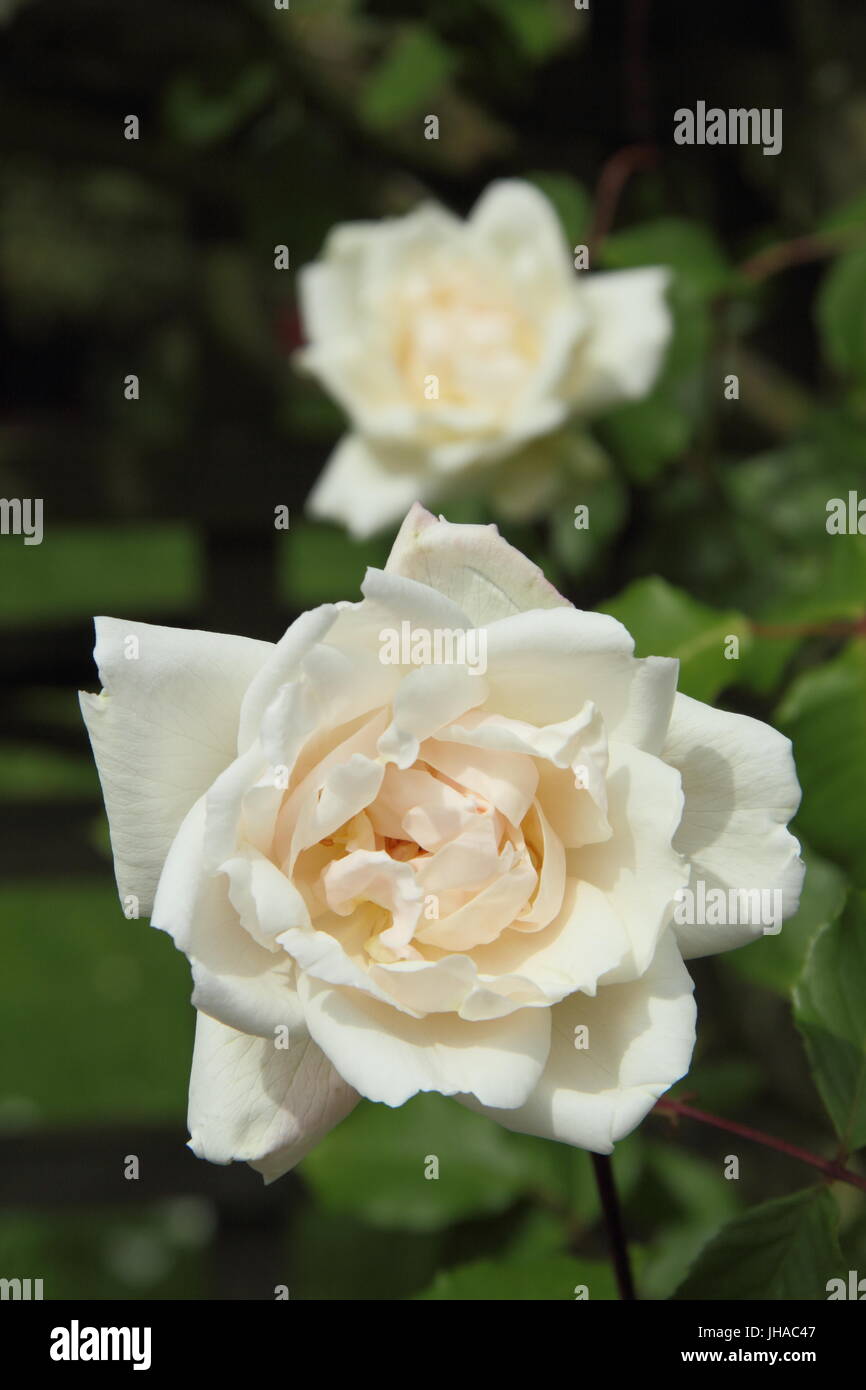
{"x": 51, "y": 1170}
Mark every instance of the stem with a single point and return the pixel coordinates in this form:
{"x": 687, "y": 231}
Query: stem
{"x": 800, "y": 251}
{"x": 827, "y": 1166}
{"x": 613, "y": 1220}
{"x": 614, "y": 176}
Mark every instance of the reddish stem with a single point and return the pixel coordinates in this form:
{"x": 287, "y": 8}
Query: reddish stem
{"x": 799, "y": 251}
{"x": 827, "y": 1166}
{"x": 613, "y": 178}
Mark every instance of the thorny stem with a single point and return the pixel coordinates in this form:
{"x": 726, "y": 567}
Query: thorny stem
{"x": 613, "y": 1220}
{"x": 829, "y": 1167}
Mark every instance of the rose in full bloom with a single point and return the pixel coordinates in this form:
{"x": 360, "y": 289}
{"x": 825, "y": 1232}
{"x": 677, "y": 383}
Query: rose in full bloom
{"x": 392, "y": 877}
{"x": 452, "y": 344}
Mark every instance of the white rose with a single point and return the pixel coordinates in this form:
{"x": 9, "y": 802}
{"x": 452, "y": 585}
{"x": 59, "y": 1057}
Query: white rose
{"x": 452, "y": 344}
{"x": 291, "y": 813}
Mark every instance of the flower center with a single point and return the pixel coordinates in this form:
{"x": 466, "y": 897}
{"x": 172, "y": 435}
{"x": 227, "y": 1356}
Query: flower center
{"x": 463, "y": 328}
{"x": 431, "y": 856}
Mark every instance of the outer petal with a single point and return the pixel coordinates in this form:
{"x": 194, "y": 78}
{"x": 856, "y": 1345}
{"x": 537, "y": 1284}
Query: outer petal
{"x": 388, "y": 1056}
{"x": 237, "y": 980}
{"x": 250, "y": 1100}
{"x": 163, "y": 728}
{"x": 631, "y": 327}
{"x": 741, "y": 790}
{"x": 638, "y": 868}
{"x": 471, "y": 565}
{"x": 640, "y": 1040}
{"x": 516, "y": 223}
{"x": 365, "y": 488}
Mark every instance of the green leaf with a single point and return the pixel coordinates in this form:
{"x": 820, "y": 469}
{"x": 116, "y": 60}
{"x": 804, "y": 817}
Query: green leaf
{"x": 777, "y": 961}
{"x": 693, "y": 1183}
{"x": 588, "y": 480}
{"x": 664, "y": 621}
{"x": 688, "y": 247}
{"x": 412, "y": 71}
{"x": 539, "y": 1233}
{"x": 647, "y": 434}
{"x": 535, "y": 26}
{"x": 824, "y": 713}
{"x": 554, "y": 1278}
{"x": 779, "y": 500}
{"x": 850, "y": 214}
{"x": 569, "y": 198}
{"x": 841, "y": 313}
{"x": 784, "y": 1249}
{"x": 679, "y": 400}
{"x": 200, "y": 117}
{"x": 726, "y": 1083}
{"x": 374, "y": 1165}
{"x": 830, "y": 1013}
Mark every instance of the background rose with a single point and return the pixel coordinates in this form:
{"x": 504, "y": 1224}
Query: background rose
{"x": 284, "y": 809}
{"x": 493, "y": 310}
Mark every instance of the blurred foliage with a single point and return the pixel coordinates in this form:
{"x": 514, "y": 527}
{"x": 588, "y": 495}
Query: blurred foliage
{"x": 155, "y": 257}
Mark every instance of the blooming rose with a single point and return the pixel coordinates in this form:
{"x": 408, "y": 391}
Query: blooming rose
{"x": 451, "y": 344}
{"x": 426, "y": 877}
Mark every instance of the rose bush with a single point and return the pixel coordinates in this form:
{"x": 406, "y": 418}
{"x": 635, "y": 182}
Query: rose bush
{"x": 395, "y": 878}
{"x": 450, "y": 345}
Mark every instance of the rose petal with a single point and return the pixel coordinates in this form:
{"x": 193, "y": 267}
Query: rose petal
{"x": 236, "y": 980}
{"x": 428, "y": 698}
{"x": 388, "y": 1056}
{"x": 741, "y": 789}
{"x": 631, "y": 327}
{"x": 252, "y": 1101}
{"x": 638, "y": 868}
{"x": 585, "y": 941}
{"x": 365, "y": 487}
{"x": 164, "y": 726}
{"x": 515, "y": 223}
{"x": 640, "y": 1038}
{"x": 472, "y": 566}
